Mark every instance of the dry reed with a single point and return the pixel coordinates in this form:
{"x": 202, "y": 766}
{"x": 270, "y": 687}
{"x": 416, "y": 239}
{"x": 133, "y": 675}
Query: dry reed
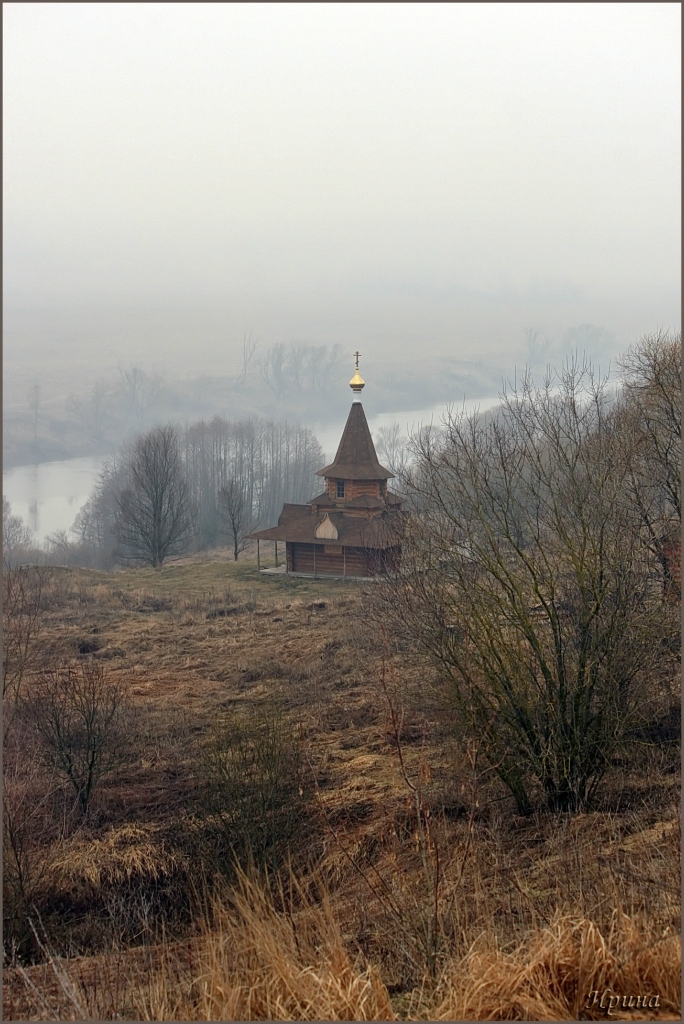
{"x": 283, "y": 958}
{"x": 554, "y": 974}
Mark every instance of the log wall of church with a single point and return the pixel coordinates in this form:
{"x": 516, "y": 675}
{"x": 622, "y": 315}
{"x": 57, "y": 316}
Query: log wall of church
{"x": 354, "y": 488}
{"x": 330, "y": 559}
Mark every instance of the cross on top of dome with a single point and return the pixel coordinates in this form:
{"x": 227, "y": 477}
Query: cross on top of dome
{"x": 357, "y": 383}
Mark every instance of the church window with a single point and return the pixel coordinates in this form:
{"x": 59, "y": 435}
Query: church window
{"x": 340, "y": 488}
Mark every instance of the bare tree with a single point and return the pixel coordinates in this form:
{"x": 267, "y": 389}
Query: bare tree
{"x": 392, "y": 449}
{"x": 300, "y": 369}
{"x": 527, "y": 584}
{"x": 34, "y": 406}
{"x": 274, "y": 371}
{"x": 91, "y": 411}
{"x": 590, "y": 343}
{"x": 22, "y": 591}
{"x": 538, "y": 346}
{"x": 154, "y": 510}
{"x": 320, "y": 364}
{"x": 274, "y": 462}
{"x": 95, "y": 523}
{"x": 14, "y": 534}
{"x": 235, "y": 512}
{"x": 140, "y": 390}
{"x": 77, "y": 712}
{"x": 652, "y": 378}
{"x": 248, "y": 349}
{"x": 31, "y": 840}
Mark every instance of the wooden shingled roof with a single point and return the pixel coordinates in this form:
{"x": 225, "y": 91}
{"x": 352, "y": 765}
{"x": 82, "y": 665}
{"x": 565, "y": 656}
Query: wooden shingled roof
{"x": 297, "y": 523}
{"x": 356, "y": 458}
{"x": 362, "y": 501}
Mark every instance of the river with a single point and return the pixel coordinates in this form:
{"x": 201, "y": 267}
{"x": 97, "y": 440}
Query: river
{"x": 48, "y": 496}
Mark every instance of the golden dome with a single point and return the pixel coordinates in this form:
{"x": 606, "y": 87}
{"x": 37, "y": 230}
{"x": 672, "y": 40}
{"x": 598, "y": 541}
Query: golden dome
{"x": 357, "y": 382}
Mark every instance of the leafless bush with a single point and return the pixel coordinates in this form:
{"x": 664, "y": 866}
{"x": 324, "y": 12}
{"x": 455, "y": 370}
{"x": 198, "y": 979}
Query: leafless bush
{"x": 22, "y": 606}
{"x": 527, "y": 582}
{"x": 651, "y": 411}
{"x": 256, "y": 789}
{"x": 16, "y": 537}
{"x": 59, "y": 550}
{"x": 78, "y": 714}
{"x": 32, "y": 834}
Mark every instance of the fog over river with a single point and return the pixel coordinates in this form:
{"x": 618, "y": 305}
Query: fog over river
{"x": 48, "y": 496}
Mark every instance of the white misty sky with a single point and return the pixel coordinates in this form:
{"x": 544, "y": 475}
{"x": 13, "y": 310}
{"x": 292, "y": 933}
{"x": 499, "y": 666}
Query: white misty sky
{"x": 431, "y": 175}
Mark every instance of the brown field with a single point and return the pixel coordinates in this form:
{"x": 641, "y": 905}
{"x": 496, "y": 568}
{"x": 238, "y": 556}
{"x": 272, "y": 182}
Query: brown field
{"x": 469, "y": 912}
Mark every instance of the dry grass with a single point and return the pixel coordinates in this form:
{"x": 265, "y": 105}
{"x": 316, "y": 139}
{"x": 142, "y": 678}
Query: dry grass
{"x": 529, "y": 911}
{"x": 257, "y": 962}
{"x": 252, "y": 963}
{"x": 121, "y": 855}
{"x": 554, "y": 974}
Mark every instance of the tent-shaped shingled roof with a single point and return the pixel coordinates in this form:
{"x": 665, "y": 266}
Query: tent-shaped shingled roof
{"x": 356, "y": 458}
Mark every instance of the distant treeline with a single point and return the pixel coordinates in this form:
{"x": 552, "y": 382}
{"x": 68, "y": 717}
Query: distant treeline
{"x": 233, "y": 476}
{"x": 269, "y": 462}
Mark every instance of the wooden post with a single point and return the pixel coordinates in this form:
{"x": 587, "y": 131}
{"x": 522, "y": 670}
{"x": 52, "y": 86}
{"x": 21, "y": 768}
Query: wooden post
{"x": 344, "y": 560}
{"x": 276, "y": 553}
{"x": 287, "y": 561}
{"x": 314, "y": 561}
{"x": 258, "y": 557}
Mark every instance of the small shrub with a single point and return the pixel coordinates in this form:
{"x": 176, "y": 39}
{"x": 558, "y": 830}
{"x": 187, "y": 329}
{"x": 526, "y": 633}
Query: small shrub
{"x": 32, "y": 835}
{"x": 23, "y": 600}
{"x": 78, "y": 714}
{"x": 256, "y": 789}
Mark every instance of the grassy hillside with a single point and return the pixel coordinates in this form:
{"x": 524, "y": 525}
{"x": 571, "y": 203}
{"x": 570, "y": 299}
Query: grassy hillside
{"x": 412, "y": 890}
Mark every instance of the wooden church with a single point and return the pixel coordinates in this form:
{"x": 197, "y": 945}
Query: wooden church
{"x": 353, "y": 528}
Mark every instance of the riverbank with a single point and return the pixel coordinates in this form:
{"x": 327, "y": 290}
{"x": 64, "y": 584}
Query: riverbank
{"x": 18, "y": 452}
